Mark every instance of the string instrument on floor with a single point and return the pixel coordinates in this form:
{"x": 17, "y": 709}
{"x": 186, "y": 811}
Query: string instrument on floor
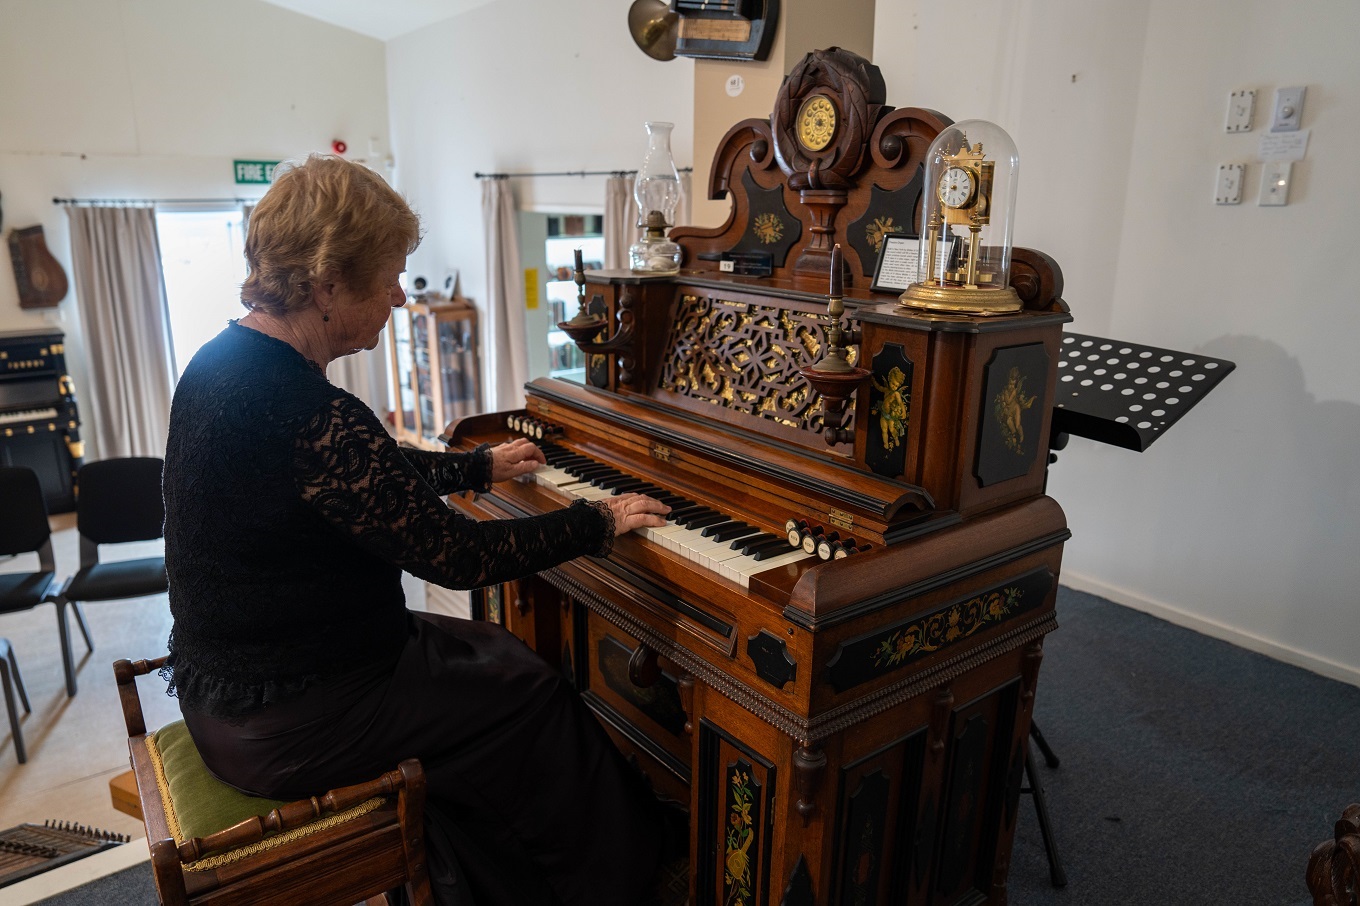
{"x": 831, "y": 650}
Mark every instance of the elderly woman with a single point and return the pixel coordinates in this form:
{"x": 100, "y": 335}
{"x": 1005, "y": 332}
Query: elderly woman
{"x": 290, "y": 516}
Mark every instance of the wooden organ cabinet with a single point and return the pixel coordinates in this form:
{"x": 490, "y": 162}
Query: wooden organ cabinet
{"x": 848, "y": 730}
{"x": 432, "y": 352}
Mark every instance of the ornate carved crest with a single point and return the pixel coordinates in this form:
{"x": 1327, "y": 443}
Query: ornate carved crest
{"x": 856, "y": 89}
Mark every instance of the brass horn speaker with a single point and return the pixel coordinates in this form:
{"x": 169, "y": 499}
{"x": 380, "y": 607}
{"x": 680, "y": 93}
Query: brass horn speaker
{"x": 654, "y": 28}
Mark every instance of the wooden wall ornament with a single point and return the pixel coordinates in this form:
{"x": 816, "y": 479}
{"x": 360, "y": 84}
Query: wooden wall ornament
{"x": 42, "y": 282}
{"x": 725, "y": 29}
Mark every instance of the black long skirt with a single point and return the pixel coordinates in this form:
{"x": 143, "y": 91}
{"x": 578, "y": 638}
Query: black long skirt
{"x": 528, "y": 801}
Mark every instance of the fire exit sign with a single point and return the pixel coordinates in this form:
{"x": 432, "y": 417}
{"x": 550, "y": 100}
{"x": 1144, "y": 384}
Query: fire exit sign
{"x": 254, "y": 172}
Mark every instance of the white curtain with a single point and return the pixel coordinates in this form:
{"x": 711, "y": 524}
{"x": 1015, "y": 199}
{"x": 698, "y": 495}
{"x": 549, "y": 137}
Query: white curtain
{"x": 682, "y": 209}
{"x": 121, "y": 294}
{"x": 364, "y": 374}
{"x": 507, "y": 346}
{"x": 620, "y": 221}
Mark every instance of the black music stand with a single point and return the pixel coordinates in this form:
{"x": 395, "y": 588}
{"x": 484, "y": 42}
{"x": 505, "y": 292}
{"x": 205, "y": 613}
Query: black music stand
{"x": 1127, "y": 395}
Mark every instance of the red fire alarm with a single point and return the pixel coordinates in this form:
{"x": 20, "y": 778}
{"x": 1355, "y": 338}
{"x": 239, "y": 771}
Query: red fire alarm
{"x": 339, "y": 147}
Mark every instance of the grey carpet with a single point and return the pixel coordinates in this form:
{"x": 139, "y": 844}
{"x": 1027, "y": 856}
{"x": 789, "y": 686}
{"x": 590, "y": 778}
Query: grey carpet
{"x": 1194, "y": 773}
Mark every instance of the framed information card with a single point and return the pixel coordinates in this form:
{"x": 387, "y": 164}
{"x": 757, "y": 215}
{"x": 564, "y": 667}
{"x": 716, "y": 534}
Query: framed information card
{"x": 896, "y": 269}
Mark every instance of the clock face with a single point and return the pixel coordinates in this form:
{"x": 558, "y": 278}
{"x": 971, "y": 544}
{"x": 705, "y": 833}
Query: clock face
{"x": 816, "y": 122}
{"x": 957, "y": 187}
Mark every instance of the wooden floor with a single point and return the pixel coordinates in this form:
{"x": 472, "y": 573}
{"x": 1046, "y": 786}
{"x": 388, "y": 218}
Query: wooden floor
{"x": 75, "y": 745}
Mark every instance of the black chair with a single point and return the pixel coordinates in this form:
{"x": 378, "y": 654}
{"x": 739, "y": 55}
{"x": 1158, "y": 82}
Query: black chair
{"x": 118, "y": 500}
{"x": 24, "y": 530}
{"x": 12, "y": 681}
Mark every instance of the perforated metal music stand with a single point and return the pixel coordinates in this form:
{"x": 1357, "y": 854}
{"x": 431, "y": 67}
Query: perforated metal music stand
{"x": 1127, "y": 395}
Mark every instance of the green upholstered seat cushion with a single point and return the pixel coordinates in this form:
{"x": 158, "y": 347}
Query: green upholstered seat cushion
{"x": 200, "y": 804}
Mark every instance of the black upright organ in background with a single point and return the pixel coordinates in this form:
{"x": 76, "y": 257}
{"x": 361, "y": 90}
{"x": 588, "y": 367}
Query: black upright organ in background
{"x": 39, "y": 420}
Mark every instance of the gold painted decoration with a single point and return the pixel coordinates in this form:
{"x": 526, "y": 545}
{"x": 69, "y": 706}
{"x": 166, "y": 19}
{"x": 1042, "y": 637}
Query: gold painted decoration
{"x": 939, "y": 629}
{"x": 892, "y": 408}
{"x": 741, "y": 834}
{"x": 768, "y": 228}
{"x": 1008, "y": 407}
{"x": 880, "y": 227}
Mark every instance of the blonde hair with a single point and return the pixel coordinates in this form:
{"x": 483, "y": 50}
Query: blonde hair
{"x": 324, "y": 219}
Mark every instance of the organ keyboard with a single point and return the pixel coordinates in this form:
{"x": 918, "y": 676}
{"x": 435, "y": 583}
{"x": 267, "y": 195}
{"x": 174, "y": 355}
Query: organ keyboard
{"x": 831, "y": 650}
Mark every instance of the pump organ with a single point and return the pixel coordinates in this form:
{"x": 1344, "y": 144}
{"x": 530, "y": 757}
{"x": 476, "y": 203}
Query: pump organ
{"x": 847, "y": 727}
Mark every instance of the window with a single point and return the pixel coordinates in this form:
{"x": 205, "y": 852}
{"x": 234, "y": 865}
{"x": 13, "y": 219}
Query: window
{"x": 201, "y": 257}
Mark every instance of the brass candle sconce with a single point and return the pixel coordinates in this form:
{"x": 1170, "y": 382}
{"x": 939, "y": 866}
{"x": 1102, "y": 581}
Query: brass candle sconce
{"x": 832, "y": 375}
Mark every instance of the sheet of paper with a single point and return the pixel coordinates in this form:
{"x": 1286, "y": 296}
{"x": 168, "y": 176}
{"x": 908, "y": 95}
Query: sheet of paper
{"x": 899, "y": 262}
{"x": 1283, "y": 145}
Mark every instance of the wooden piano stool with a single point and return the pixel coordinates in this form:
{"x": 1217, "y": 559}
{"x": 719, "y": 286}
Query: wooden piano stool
{"x": 212, "y": 844}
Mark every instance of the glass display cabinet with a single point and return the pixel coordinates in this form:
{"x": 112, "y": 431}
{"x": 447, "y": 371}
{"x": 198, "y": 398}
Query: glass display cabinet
{"x": 565, "y": 360}
{"x": 436, "y": 375}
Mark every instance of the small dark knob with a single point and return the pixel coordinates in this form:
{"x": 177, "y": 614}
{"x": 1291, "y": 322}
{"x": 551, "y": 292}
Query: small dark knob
{"x": 643, "y": 667}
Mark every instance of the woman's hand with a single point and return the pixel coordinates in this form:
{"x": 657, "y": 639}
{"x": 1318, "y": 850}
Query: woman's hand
{"x": 635, "y": 511}
{"x": 514, "y": 458}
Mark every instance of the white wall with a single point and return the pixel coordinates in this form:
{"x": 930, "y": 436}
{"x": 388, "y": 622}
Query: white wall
{"x": 154, "y": 99}
{"x": 1244, "y": 521}
{"x": 541, "y": 86}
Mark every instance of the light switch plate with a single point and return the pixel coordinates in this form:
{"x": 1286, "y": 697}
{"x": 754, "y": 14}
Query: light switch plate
{"x": 1288, "y": 109}
{"x": 1228, "y": 189}
{"x": 1275, "y": 183}
{"x": 1241, "y": 109}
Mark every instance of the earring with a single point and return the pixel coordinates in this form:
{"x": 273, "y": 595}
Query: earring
{"x": 326, "y": 316}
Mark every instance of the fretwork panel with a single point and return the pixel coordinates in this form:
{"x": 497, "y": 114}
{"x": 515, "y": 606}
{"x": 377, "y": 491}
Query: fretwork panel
{"x": 745, "y": 357}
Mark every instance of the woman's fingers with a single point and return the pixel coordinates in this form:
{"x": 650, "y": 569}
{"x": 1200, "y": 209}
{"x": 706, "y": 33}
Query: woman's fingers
{"x": 633, "y": 511}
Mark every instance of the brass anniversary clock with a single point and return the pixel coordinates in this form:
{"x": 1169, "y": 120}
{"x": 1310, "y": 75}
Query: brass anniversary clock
{"x": 963, "y": 264}
{"x": 816, "y": 122}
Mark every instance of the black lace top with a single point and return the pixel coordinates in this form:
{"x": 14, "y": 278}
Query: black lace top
{"x": 290, "y": 514}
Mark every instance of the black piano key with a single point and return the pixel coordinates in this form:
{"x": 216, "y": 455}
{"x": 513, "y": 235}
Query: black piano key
{"x": 588, "y": 472}
{"x": 775, "y": 551}
{"x": 674, "y": 501}
{"x": 709, "y": 529}
{"x": 699, "y": 520}
{"x": 732, "y": 532}
{"x": 750, "y": 543}
{"x": 628, "y": 486}
{"x": 678, "y": 513}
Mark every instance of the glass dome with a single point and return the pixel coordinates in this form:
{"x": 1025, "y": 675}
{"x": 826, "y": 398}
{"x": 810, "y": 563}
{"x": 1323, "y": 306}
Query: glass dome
{"x": 967, "y": 217}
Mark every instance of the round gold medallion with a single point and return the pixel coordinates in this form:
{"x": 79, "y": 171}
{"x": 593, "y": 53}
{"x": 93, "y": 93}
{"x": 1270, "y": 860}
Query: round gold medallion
{"x": 816, "y": 122}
